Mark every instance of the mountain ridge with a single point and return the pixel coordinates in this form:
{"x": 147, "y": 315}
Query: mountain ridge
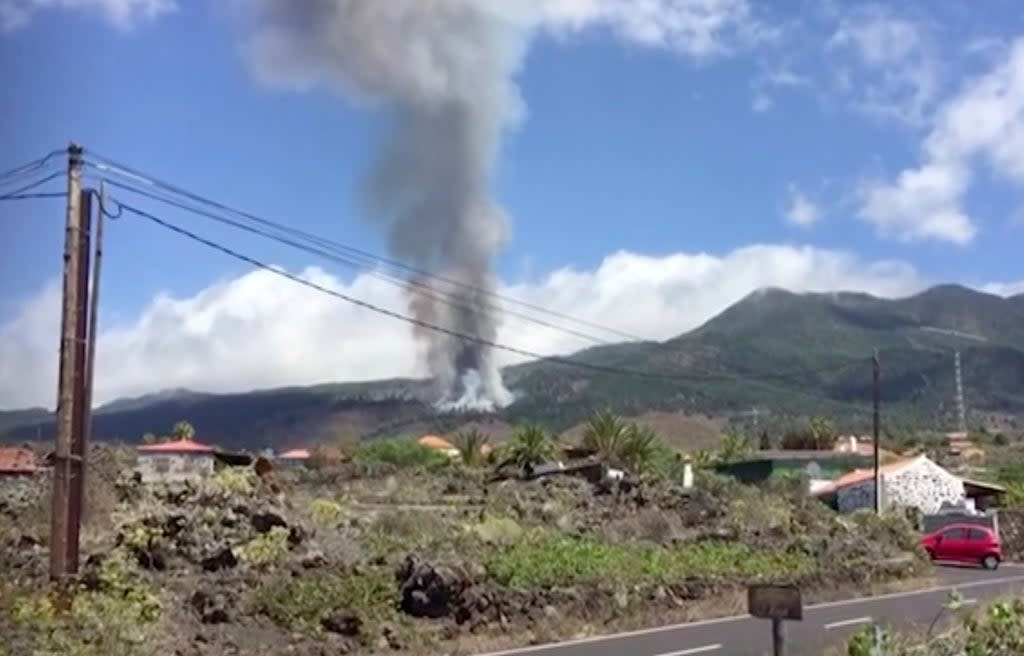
{"x": 794, "y": 353}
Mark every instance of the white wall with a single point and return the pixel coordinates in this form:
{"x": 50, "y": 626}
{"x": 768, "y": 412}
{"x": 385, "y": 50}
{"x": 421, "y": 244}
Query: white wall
{"x": 170, "y": 467}
{"x": 922, "y": 484}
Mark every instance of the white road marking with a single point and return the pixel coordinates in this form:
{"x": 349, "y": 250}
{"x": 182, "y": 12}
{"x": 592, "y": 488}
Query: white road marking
{"x": 694, "y": 650}
{"x": 850, "y": 622}
{"x": 739, "y": 618}
{"x": 968, "y": 602}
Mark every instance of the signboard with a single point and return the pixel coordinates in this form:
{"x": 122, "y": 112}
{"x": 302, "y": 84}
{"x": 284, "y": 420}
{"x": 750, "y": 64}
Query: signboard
{"x": 775, "y": 602}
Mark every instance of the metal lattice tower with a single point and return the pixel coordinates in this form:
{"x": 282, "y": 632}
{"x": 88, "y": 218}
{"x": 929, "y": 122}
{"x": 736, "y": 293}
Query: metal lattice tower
{"x": 960, "y": 411}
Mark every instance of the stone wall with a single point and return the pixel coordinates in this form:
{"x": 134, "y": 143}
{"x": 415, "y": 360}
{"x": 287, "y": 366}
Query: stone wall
{"x": 1011, "y": 533}
{"x": 932, "y": 523}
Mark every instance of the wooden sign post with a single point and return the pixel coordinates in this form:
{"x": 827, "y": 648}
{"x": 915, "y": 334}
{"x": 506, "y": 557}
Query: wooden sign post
{"x": 777, "y": 603}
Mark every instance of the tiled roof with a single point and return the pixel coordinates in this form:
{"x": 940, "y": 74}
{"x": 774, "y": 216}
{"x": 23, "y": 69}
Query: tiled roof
{"x": 861, "y": 475}
{"x": 435, "y": 442}
{"x": 17, "y": 460}
{"x": 177, "y": 446}
{"x": 295, "y": 454}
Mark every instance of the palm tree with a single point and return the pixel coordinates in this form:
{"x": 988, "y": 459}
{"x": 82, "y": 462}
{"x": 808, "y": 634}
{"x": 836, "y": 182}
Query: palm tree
{"x": 735, "y": 445}
{"x": 638, "y": 447}
{"x": 822, "y": 431}
{"x": 604, "y": 435}
{"x": 471, "y": 445}
{"x": 530, "y": 447}
{"x": 183, "y": 431}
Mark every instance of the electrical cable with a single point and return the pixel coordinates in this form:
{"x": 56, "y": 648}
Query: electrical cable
{"x": 12, "y": 195}
{"x": 474, "y": 305}
{"x": 109, "y": 166}
{"x": 34, "y": 165}
{"x": 430, "y": 326}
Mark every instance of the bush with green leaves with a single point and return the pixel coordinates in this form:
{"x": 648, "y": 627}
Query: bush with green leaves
{"x": 545, "y": 558}
{"x": 301, "y": 604}
{"x": 400, "y": 453}
{"x": 998, "y": 630}
{"x": 325, "y": 512}
{"x": 116, "y": 614}
{"x": 267, "y": 549}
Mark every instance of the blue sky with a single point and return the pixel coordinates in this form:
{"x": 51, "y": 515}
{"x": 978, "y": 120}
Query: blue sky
{"x": 786, "y": 130}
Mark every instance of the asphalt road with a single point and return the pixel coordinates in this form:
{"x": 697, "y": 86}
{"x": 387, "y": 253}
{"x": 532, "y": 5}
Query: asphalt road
{"x": 824, "y": 625}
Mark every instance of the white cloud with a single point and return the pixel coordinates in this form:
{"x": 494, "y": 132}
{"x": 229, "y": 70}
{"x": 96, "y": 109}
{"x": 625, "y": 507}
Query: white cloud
{"x": 261, "y": 330}
{"x": 1004, "y": 288}
{"x": 122, "y": 14}
{"x": 698, "y": 28}
{"x": 802, "y": 211}
{"x": 768, "y": 82}
{"x": 984, "y": 121}
{"x": 894, "y": 72}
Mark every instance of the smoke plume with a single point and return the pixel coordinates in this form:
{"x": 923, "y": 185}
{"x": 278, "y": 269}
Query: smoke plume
{"x": 442, "y": 71}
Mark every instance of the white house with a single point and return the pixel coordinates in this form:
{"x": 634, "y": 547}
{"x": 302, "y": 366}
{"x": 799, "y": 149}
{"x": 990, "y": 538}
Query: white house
{"x": 911, "y": 483}
{"x": 175, "y": 461}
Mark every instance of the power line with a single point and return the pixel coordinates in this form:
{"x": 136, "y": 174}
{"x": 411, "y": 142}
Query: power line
{"x": 428, "y": 291}
{"x": 19, "y": 192}
{"x": 424, "y": 324}
{"x": 109, "y": 166}
{"x": 32, "y": 166}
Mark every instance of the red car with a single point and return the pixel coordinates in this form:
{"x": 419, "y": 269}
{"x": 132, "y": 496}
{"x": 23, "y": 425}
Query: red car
{"x": 964, "y": 543}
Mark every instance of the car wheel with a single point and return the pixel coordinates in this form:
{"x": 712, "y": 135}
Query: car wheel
{"x": 990, "y": 562}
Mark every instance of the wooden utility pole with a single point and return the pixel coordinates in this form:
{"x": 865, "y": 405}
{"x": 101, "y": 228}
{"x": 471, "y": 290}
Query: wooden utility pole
{"x": 68, "y": 464}
{"x": 80, "y": 405}
{"x": 876, "y": 389}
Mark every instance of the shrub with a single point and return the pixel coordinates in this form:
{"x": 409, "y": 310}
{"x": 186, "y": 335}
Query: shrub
{"x": 398, "y": 453}
{"x": 266, "y": 549}
{"x": 118, "y": 615}
{"x": 324, "y": 511}
{"x": 234, "y": 480}
{"x": 302, "y": 604}
{"x": 543, "y": 559}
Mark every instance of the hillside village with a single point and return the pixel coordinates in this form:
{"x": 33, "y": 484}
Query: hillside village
{"x": 485, "y": 542}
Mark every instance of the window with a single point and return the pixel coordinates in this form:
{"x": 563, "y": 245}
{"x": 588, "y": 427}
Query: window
{"x": 977, "y": 534}
{"x": 955, "y": 534}
{"x": 162, "y": 464}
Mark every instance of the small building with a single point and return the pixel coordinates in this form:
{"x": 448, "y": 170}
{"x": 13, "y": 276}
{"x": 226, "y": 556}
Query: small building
{"x": 293, "y": 458}
{"x": 439, "y": 444}
{"x": 909, "y": 483}
{"x": 17, "y": 462}
{"x": 816, "y": 465}
{"x": 175, "y": 461}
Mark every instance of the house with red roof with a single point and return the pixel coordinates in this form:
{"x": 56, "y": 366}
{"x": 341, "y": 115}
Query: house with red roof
{"x": 17, "y": 462}
{"x": 177, "y": 460}
{"x": 915, "y": 482}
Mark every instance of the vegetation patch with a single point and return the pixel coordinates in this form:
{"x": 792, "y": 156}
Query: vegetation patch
{"x": 543, "y": 558}
{"x": 113, "y": 613}
{"x": 305, "y": 604}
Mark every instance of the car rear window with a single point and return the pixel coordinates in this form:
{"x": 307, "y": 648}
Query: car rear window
{"x": 977, "y": 534}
